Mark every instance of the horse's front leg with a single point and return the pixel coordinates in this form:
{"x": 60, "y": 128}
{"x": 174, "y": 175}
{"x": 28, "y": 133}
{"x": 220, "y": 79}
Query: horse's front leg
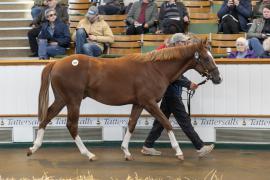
{"x": 153, "y": 109}
{"x": 72, "y": 125}
{"x": 135, "y": 114}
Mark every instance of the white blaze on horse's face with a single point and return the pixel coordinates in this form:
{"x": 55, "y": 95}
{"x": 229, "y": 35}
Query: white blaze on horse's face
{"x": 210, "y": 54}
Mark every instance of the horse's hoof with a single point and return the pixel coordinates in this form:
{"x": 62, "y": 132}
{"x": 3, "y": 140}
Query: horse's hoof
{"x": 94, "y": 158}
{"x": 180, "y": 157}
{"x": 129, "y": 158}
{"x": 29, "y": 152}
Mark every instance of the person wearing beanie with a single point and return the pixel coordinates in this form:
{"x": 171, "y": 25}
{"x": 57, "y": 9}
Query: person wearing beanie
{"x": 91, "y": 34}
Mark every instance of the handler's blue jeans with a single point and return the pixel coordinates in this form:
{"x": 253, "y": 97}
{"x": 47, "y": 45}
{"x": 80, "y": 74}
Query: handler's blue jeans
{"x": 45, "y": 50}
{"x": 84, "y": 47}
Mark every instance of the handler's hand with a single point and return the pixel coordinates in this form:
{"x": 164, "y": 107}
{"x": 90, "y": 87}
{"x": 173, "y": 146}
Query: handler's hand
{"x": 193, "y": 86}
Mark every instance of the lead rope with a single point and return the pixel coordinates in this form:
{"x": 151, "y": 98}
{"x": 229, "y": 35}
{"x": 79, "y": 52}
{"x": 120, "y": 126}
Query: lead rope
{"x": 190, "y": 94}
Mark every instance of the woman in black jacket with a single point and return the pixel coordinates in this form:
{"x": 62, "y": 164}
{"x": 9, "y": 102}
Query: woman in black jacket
{"x": 54, "y": 37}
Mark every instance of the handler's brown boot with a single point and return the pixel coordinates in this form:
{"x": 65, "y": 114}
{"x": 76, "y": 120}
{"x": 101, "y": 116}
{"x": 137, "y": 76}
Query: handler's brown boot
{"x": 206, "y": 149}
{"x": 150, "y": 151}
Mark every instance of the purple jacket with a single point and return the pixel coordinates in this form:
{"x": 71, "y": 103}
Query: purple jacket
{"x": 250, "y": 54}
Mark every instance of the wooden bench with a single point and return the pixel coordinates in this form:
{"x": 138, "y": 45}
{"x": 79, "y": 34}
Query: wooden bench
{"x": 202, "y": 23}
{"x": 152, "y": 41}
{"x": 117, "y": 23}
{"x": 125, "y": 44}
{"x": 198, "y": 6}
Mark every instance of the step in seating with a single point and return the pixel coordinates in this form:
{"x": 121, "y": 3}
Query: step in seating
{"x": 152, "y": 41}
{"x": 15, "y": 18}
{"x": 202, "y": 23}
{"x": 117, "y": 23}
{"x": 125, "y": 44}
{"x": 198, "y": 6}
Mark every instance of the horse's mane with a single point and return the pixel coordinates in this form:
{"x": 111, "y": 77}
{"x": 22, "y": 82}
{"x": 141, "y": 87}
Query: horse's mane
{"x": 168, "y": 54}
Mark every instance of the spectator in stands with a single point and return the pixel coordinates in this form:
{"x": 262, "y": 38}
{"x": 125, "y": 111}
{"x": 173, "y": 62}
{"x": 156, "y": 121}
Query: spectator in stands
{"x": 172, "y": 104}
{"x": 172, "y": 17}
{"x": 234, "y": 15}
{"x": 91, "y": 34}
{"x": 37, "y": 7}
{"x": 141, "y": 17}
{"x": 111, "y": 7}
{"x": 242, "y": 49}
{"x": 62, "y": 14}
{"x": 259, "y": 31}
{"x": 258, "y": 8}
{"x": 266, "y": 48}
{"x": 54, "y": 36}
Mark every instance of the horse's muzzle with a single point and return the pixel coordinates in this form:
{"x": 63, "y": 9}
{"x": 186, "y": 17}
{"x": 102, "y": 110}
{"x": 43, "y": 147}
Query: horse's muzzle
{"x": 215, "y": 77}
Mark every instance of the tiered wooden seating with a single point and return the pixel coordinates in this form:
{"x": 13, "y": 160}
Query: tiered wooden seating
{"x": 220, "y": 43}
{"x": 125, "y": 44}
{"x": 203, "y": 18}
{"x": 152, "y": 41}
{"x": 203, "y": 23}
{"x": 201, "y": 36}
{"x": 74, "y": 20}
{"x": 77, "y": 10}
{"x": 216, "y": 5}
{"x": 253, "y": 2}
{"x": 198, "y": 6}
{"x": 78, "y": 7}
{"x": 116, "y": 23}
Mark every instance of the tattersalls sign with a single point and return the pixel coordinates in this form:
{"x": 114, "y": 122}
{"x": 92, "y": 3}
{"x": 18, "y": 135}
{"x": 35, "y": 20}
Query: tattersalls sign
{"x": 143, "y": 122}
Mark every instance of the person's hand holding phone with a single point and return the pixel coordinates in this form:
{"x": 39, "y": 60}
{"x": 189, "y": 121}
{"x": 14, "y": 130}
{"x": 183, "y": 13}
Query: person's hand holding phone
{"x": 230, "y": 3}
{"x": 92, "y": 37}
{"x": 236, "y": 2}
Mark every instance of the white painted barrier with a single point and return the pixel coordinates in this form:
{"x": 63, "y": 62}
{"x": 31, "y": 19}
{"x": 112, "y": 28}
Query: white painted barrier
{"x": 244, "y": 91}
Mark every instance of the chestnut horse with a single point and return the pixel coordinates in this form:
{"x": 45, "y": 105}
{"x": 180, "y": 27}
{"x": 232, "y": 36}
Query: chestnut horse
{"x": 137, "y": 79}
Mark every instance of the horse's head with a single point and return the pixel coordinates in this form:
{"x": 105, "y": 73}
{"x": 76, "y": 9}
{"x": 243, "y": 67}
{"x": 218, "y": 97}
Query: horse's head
{"x": 205, "y": 63}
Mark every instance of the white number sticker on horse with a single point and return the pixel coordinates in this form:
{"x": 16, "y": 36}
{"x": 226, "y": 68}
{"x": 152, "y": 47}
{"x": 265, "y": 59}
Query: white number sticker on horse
{"x": 75, "y": 62}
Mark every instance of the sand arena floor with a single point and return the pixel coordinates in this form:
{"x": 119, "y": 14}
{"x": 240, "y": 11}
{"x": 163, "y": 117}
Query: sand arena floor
{"x": 67, "y": 162}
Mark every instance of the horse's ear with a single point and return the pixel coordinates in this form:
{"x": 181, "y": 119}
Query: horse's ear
{"x": 204, "y": 41}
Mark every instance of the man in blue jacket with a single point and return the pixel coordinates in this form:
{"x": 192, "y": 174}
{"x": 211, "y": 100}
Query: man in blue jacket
{"x": 172, "y": 103}
{"x": 54, "y": 36}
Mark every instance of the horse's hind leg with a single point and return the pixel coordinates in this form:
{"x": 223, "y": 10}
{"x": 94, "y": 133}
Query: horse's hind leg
{"x": 72, "y": 125}
{"x": 153, "y": 109}
{"x": 135, "y": 114}
{"x": 53, "y": 110}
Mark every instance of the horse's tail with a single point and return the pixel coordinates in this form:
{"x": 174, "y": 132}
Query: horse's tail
{"x": 43, "y": 99}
